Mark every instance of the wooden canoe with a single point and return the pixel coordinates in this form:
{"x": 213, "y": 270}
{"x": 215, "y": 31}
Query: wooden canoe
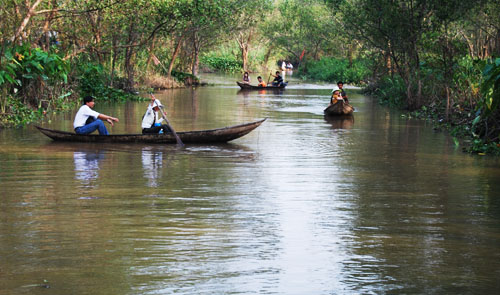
{"x": 252, "y": 87}
{"x": 340, "y": 108}
{"x": 219, "y": 135}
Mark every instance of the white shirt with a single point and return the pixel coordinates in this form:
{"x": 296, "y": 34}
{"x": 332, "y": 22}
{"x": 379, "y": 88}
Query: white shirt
{"x": 83, "y": 114}
{"x": 150, "y": 117}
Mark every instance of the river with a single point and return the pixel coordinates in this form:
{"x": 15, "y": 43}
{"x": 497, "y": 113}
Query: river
{"x": 380, "y": 204}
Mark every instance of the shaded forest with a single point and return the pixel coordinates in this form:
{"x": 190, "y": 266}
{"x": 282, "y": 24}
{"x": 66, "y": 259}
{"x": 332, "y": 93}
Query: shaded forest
{"x": 437, "y": 59}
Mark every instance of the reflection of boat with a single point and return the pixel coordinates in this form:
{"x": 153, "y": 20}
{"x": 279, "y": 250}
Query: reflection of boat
{"x": 152, "y": 162}
{"x": 252, "y": 87}
{"x": 340, "y": 122}
{"x": 87, "y": 165}
{"x": 203, "y": 136}
{"x": 339, "y": 108}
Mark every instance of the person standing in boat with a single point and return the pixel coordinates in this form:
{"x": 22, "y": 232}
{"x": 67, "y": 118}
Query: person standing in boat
{"x": 278, "y": 80}
{"x": 246, "y": 78}
{"x": 261, "y": 82}
{"x": 340, "y": 84}
{"x": 87, "y": 120}
{"x": 283, "y": 68}
{"x": 151, "y": 123}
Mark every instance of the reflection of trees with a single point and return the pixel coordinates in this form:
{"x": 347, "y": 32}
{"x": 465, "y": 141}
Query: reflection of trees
{"x": 87, "y": 166}
{"x": 152, "y": 162}
{"x": 417, "y": 224}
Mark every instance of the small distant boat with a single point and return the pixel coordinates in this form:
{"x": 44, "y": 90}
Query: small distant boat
{"x": 340, "y": 108}
{"x": 252, "y": 87}
{"x": 220, "y": 135}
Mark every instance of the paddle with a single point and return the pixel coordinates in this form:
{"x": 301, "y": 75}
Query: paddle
{"x": 268, "y": 78}
{"x": 177, "y": 138}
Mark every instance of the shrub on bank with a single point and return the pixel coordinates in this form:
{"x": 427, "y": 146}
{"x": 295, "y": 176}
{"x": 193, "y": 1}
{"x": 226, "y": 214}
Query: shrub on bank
{"x": 222, "y": 63}
{"x": 473, "y": 115}
{"x": 94, "y": 80}
{"x": 334, "y": 69}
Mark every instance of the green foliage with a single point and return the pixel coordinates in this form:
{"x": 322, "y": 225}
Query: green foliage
{"x": 389, "y": 90}
{"x": 22, "y": 64}
{"x": 93, "y": 80}
{"x": 28, "y": 76}
{"x": 226, "y": 63}
{"x": 182, "y": 77}
{"x": 334, "y": 69}
{"x": 304, "y": 24}
{"x": 491, "y": 87}
{"x": 19, "y": 114}
{"x": 478, "y": 146}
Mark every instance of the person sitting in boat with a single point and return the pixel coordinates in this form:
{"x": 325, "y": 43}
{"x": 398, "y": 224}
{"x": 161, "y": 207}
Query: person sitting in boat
{"x": 278, "y": 80}
{"x": 87, "y": 120}
{"x": 261, "y": 82}
{"x": 246, "y": 78}
{"x": 340, "y": 84}
{"x": 151, "y": 123}
{"x": 336, "y": 95}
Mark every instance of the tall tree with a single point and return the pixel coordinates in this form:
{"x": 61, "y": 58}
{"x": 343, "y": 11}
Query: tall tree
{"x": 209, "y": 22}
{"x": 303, "y": 25}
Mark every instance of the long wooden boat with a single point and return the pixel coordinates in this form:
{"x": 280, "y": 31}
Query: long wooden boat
{"x": 252, "y": 87}
{"x": 340, "y": 108}
{"x": 219, "y": 135}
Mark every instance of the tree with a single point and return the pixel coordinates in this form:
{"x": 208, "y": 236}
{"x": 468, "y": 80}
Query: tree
{"x": 209, "y": 22}
{"x": 304, "y": 25}
{"x": 251, "y": 15}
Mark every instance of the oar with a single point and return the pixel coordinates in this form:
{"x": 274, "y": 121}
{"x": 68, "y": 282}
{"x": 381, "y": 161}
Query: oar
{"x": 177, "y": 138}
{"x": 268, "y": 79}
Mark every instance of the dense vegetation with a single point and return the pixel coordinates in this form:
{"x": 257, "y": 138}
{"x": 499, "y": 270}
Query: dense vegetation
{"x": 437, "y": 59}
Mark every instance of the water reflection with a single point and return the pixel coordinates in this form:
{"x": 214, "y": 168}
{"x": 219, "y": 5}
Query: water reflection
{"x": 152, "y": 162}
{"x": 298, "y": 206}
{"x": 87, "y": 166}
{"x": 340, "y": 122}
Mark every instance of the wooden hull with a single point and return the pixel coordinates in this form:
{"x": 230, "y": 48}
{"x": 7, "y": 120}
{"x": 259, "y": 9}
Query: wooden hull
{"x": 252, "y": 87}
{"x": 340, "y": 108}
{"x": 219, "y": 135}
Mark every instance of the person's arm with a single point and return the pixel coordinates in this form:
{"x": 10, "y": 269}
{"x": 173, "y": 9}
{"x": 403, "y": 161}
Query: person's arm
{"x": 107, "y": 118}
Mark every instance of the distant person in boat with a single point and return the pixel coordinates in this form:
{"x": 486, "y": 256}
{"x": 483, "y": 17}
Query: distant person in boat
{"x": 336, "y": 95}
{"x": 278, "y": 80}
{"x": 340, "y": 84}
{"x": 151, "y": 122}
{"x": 261, "y": 82}
{"x": 246, "y": 78}
{"x": 87, "y": 120}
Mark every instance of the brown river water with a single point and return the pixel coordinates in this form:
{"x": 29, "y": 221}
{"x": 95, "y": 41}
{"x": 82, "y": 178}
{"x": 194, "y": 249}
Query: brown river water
{"x": 380, "y": 204}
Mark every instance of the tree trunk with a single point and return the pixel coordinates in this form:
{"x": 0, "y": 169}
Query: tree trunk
{"x": 151, "y": 49}
{"x": 244, "y": 57}
{"x": 268, "y": 54}
{"x": 243, "y": 43}
{"x": 196, "y": 55}
{"x": 24, "y": 23}
{"x": 113, "y": 60}
{"x": 129, "y": 55}
{"x": 174, "y": 56}
{"x": 196, "y": 62}
{"x": 46, "y": 26}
